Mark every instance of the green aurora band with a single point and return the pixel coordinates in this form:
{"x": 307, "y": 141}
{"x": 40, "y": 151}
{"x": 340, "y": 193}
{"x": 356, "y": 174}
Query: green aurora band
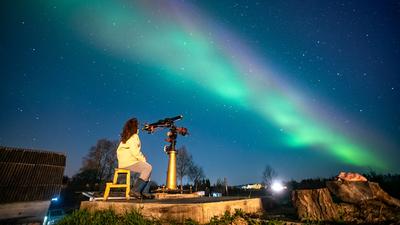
{"x": 186, "y": 50}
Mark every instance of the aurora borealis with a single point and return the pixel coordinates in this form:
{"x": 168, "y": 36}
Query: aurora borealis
{"x": 85, "y": 67}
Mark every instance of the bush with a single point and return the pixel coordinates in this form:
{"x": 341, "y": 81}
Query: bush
{"x": 135, "y": 218}
{"x": 228, "y": 218}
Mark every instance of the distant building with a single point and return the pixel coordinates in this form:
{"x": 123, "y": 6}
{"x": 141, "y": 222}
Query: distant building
{"x": 201, "y": 193}
{"x": 252, "y": 187}
{"x": 29, "y": 179}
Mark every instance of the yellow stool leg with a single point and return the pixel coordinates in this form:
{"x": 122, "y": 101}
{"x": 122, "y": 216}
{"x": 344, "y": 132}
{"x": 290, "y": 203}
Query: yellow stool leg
{"x": 115, "y": 177}
{"x": 128, "y": 184}
{"x": 107, "y": 191}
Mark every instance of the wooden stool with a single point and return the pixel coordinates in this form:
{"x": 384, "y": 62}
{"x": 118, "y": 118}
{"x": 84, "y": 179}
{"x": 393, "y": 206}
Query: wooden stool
{"x": 114, "y": 184}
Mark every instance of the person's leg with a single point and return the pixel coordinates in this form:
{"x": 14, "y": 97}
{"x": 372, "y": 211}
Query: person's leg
{"x": 144, "y": 169}
{"x": 145, "y": 173}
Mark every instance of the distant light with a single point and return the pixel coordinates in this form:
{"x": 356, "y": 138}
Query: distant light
{"x": 277, "y": 187}
{"x": 54, "y": 199}
{"x": 216, "y": 194}
{"x": 45, "y": 220}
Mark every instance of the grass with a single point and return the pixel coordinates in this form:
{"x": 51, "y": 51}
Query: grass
{"x": 109, "y": 217}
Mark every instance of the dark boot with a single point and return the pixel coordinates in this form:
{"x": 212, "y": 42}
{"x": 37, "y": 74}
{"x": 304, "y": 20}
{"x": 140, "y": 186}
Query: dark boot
{"x": 137, "y": 188}
{"x": 146, "y": 191}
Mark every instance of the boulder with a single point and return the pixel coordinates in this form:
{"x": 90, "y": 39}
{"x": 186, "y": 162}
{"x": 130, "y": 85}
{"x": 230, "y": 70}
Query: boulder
{"x": 357, "y": 192}
{"x": 382, "y": 195}
{"x": 350, "y": 191}
{"x": 359, "y": 202}
{"x": 314, "y": 205}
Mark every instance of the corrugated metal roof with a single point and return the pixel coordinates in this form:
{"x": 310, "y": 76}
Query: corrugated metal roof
{"x": 30, "y": 175}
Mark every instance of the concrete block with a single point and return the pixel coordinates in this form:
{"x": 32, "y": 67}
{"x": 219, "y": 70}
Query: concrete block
{"x": 198, "y": 209}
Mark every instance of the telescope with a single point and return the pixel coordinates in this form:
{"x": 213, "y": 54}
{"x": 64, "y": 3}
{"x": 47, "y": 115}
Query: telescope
{"x": 164, "y": 123}
{"x": 172, "y": 135}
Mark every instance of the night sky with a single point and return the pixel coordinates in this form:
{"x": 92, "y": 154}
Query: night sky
{"x": 309, "y": 87}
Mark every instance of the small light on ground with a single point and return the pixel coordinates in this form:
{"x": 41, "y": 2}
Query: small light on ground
{"x": 45, "y": 220}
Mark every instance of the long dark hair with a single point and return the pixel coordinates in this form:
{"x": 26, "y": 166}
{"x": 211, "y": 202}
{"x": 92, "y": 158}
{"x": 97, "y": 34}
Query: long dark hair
{"x": 130, "y": 128}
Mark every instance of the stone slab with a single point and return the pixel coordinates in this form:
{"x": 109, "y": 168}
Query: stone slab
{"x": 199, "y": 209}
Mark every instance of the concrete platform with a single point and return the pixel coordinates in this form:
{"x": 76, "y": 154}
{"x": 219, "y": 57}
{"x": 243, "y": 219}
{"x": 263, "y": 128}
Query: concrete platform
{"x": 199, "y": 209}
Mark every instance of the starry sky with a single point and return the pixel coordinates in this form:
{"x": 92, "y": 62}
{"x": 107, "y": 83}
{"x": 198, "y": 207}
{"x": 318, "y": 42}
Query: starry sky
{"x": 309, "y": 87}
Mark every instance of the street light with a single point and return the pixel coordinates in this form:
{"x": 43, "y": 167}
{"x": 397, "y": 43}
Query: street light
{"x": 277, "y": 187}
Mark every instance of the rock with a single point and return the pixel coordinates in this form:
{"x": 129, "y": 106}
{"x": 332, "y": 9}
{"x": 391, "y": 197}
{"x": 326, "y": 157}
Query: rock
{"x": 348, "y": 212}
{"x": 314, "y": 205}
{"x": 350, "y": 191}
{"x": 357, "y": 192}
{"x": 348, "y": 176}
{"x": 375, "y": 211}
{"x": 382, "y": 195}
{"x": 368, "y": 212}
{"x": 361, "y": 202}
